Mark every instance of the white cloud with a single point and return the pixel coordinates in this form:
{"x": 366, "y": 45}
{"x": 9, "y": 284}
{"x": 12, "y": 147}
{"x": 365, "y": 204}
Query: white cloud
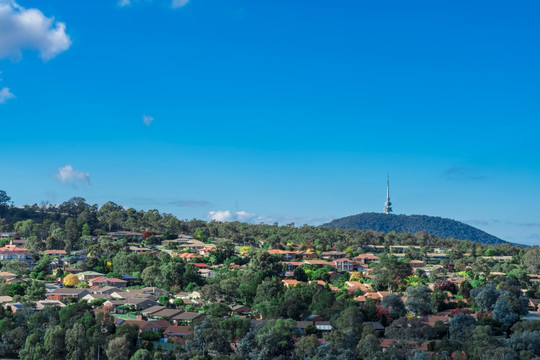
{"x": 5, "y": 94}
{"x": 179, "y": 3}
{"x": 220, "y": 215}
{"x": 22, "y": 29}
{"x": 147, "y": 120}
{"x": 68, "y": 175}
{"x": 226, "y": 216}
{"x": 244, "y": 216}
{"x": 124, "y": 3}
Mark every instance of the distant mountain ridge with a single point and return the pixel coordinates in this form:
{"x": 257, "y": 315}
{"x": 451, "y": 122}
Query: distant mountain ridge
{"x": 438, "y": 226}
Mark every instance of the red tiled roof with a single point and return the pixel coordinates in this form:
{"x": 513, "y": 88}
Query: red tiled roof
{"x": 200, "y": 265}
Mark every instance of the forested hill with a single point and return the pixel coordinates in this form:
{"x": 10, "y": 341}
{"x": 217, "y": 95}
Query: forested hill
{"x": 437, "y": 226}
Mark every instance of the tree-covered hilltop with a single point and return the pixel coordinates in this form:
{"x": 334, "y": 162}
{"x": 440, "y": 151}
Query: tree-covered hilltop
{"x": 440, "y": 227}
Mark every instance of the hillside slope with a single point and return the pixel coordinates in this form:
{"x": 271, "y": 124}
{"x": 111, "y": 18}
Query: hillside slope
{"x": 441, "y": 227}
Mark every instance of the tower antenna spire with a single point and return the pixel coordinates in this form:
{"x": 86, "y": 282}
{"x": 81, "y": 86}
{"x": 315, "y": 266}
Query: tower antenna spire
{"x": 387, "y": 204}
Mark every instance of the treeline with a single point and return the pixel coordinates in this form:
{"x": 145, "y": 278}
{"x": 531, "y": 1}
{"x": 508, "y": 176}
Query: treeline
{"x": 71, "y": 225}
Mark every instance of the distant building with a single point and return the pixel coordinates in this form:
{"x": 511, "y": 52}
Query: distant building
{"x": 125, "y": 234}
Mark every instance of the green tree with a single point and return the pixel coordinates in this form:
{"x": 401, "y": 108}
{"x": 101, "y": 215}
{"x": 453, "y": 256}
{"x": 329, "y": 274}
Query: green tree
{"x": 118, "y": 348}
{"x": 16, "y": 267}
{"x": 368, "y": 347}
{"x": 394, "y": 304}
{"x": 306, "y": 347}
{"x": 24, "y": 227}
{"x": 33, "y": 348}
{"x": 300, "y": 274}
{"x": 349, "y": 319}
{"x": 86, "y": 231}
{"x": 388, "y": 272}
{"x": 418, "y": 300}
{"x": 76, "y": 343}
{"x": 532, "y": 260}
{"x": 35, "y": 290}
{"x": 267, "y": 265}
{"x": 149, "y": 275}
{"x": 4, "y": 198}
{"x": 142, "y": 354}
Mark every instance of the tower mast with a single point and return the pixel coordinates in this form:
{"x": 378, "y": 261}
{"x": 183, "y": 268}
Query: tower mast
{"x": 387, "y": 204}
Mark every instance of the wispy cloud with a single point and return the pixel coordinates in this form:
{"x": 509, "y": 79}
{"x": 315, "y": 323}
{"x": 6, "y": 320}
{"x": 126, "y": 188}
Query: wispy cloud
{"x": 462, "y": 173}
{"x": 476, "y": 222}
{"x": 147, "y": 120}
{"x": 498, "y": 221}
{"x": 5, "y": 94}
{"x": 22, "y": 29}
{"x": 69, "y": 176}
{"x": 179, "y": 3}
{"x": 174, "y": 4}
{"x": 245, "y": 216}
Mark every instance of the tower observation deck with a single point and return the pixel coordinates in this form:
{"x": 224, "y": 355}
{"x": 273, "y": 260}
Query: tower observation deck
{"x": 387, "y": 204}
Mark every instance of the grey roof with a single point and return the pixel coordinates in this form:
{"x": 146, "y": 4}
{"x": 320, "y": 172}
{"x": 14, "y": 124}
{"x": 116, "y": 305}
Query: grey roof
{"x": 166, "y": 313}
{"x": 69, "y": 291}
{"x": 187, "y": 316}
{"x": 153, "y": 309}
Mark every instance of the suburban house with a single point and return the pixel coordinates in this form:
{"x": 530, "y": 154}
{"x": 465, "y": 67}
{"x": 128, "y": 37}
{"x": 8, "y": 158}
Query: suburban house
{"x": 240, "y": 309}
{"x": 366, "y": 259}
{"x": 9, "y": 235}
{"x": 345, "y": 264}
{"x": 105, "y": 290}
{"x": 333, "y": 254}
{"x": 498, "y": 258}
{"x": 185, "y": 255}
{"x": 125, "y": 234}
{"x": 5, "y": 299}
{"x": 40, "y": 305}
{"x": 134, "y": 303}
{"x": 373, "y": 248}
{"x": 192, "y": 245}
{"x": 104, "y": 281}
{"x": 177, "y": 333}
{"x": 139, "y": 250}
{"x": 186, "y": 317}
{"x": 306, "y": 255}
{"x": 67, "y": 293}
{"x": 54, "y": 253}
{"x": 292, "y": 265}
{"x": 290, "y": 282}
{"x": 417, "y": 263}
{"x": 401, "y": 248}
{"x": 88, "y": 275}
{"x": 166, "y": 313}
{"x": 320, "y": 263}
{"x": 9, "y": 277}
{"x": 14, "y": 252}
{"x": 285, "y": 255}
{"x": 92, "y": 297}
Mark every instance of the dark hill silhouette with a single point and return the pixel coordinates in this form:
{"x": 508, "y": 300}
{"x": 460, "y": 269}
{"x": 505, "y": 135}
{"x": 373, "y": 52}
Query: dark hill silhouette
{"x": 441, "y": 227}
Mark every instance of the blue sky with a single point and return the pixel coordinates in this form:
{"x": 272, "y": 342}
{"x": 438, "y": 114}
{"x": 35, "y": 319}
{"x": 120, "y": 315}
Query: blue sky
{"x": 276, "y": 110}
